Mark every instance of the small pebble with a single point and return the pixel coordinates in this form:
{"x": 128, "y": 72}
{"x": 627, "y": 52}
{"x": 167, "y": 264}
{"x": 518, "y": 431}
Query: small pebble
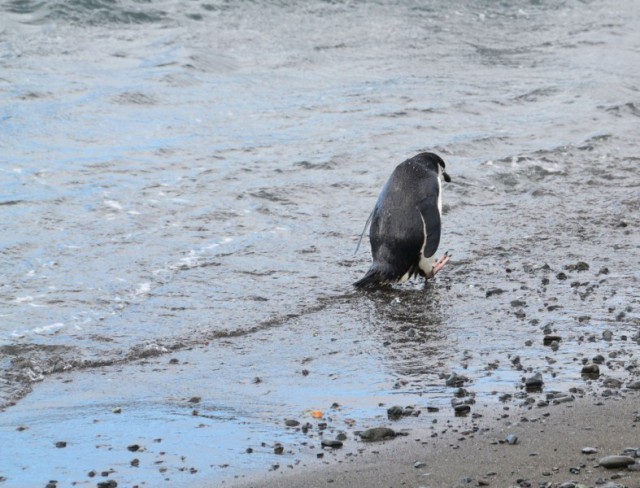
{"x": 331, "y": 443}
{"x": 534, "y": 382}
{"x": 511, "y": 439}
{"x": 107, "y": 484}
{"x": 462, "y": 409}
{"x": 635, "y": 385}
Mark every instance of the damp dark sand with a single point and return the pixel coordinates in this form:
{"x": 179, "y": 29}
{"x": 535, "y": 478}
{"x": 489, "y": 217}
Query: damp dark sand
{"x": 561, "y": 445}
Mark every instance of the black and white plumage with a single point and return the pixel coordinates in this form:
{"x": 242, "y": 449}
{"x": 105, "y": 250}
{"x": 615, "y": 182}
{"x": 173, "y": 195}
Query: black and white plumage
{"x": 405, "y": 223}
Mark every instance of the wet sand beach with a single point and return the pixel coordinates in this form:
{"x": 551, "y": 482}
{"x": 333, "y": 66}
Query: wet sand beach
{"x": 559, "y": 445}
{"x": 182, "y": 188}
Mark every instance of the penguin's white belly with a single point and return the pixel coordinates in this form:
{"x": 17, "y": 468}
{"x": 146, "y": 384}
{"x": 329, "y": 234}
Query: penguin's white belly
{"x": 425, "y": 263}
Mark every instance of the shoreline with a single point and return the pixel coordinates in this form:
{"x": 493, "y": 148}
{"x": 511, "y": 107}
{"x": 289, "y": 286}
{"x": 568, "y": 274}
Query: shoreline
{"x": 546, "y": 449}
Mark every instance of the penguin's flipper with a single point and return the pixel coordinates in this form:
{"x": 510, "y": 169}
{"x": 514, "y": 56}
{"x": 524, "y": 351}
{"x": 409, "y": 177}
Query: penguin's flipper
{"x": 430, "y": 214}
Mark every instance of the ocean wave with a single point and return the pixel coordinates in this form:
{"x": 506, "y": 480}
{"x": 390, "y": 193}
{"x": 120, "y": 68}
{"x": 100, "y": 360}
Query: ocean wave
{"x": 87, "y": 12}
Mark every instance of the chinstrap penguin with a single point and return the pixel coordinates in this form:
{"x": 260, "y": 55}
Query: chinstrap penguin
{"x": 405, "y": 224}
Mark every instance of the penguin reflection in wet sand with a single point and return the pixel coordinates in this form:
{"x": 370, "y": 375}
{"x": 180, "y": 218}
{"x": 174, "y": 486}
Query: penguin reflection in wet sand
{"x": 405, "y": 224}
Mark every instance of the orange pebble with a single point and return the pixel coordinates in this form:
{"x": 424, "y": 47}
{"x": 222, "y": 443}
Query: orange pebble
{"x": 317, "y": 414}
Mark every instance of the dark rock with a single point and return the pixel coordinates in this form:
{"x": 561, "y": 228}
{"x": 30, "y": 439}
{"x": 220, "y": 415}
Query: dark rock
{"x": 107, "y": 484}
{"x": 534, "y": 382}
{"x": 616, "y": 462}
{"x": 61, "y": 444}
{"x": 591, "y": 370}
{"x": 135, "y": 462}
{"x": 456, "y": 380}
{"x": 548, "y": 339}
{"x": 377, "y": 434}
{"x": 579, "y": 266}
{"x": 332, "y": 443}
{"x": 607, "y": 335}
{"x": 278, "y": 448}
{"x": 291, "y": 423}
{"x": 462, "y": 409}
{"x": 589, "y": 450}
{"x": 494, "y": 291}
{"x": 395, "y": 413}
{"x": 133, "y": 447}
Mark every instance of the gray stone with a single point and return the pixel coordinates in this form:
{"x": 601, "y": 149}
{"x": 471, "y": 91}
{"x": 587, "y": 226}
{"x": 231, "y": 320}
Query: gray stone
{"x": 511, "y": 439}
{"x": 615, "y": 462}
{"x": 563, "y": 399}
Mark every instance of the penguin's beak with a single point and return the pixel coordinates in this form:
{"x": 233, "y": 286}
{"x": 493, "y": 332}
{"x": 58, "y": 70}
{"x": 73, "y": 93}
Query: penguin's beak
{"x": 446, "y": 177}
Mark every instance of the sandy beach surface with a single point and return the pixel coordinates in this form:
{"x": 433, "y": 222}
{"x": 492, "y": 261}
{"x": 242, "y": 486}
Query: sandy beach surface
{"x": 555, "y": 446}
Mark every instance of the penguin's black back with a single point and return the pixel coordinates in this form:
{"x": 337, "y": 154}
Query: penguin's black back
{"x": 397, "y": 231}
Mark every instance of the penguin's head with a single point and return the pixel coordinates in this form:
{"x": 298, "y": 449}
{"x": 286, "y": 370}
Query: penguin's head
{"x": 437, "y": 164}
{"x": 443, "y": 173}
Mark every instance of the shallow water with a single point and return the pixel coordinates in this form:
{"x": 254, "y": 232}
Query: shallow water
{"x": 191, "y": 178}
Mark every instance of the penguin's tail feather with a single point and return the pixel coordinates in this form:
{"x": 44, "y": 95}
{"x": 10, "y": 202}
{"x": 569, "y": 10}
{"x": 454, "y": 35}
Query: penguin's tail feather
{"x": 376, "y": 277}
